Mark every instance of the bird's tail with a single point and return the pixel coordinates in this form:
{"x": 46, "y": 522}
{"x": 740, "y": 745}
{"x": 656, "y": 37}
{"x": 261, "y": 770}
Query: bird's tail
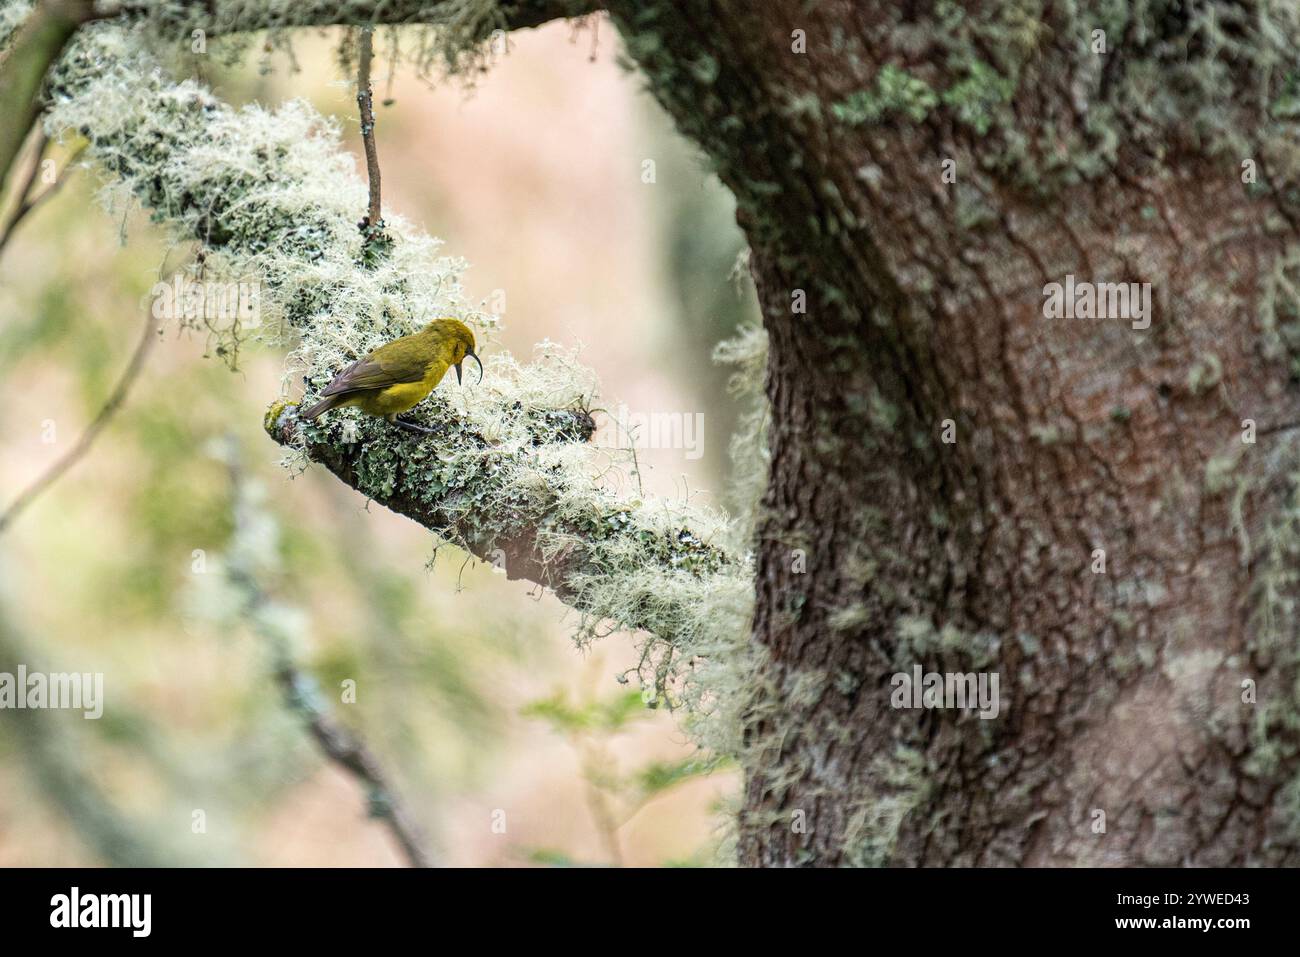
{"x": 324, "y": 405}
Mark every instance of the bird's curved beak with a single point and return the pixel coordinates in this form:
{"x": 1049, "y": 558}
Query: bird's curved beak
{"x": 471, "y": 355}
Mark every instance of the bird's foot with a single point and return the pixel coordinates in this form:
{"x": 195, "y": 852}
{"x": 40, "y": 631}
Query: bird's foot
{"x": 412, "y": 427}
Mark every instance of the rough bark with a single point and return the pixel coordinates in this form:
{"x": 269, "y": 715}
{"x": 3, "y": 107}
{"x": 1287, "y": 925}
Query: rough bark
{"x": 1121, "y": 692}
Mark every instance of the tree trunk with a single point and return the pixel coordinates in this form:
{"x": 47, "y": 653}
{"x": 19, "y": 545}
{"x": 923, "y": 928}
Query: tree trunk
{"x": 1103, "y": 515}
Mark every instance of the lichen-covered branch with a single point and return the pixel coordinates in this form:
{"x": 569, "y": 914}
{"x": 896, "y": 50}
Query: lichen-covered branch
{"x": 460, "y": 27}
{"x": 245, "y": 15}
{"x": 468, "y": 490}
{"x": 274, "y": 200}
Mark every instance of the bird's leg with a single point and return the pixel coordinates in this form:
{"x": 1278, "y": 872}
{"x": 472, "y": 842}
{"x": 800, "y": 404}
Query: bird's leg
{"x": 411, "y": 426}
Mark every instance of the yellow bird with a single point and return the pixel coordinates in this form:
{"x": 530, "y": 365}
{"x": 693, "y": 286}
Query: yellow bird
{"x": 399, "y": 374}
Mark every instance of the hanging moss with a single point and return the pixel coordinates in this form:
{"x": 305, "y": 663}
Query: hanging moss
{"x": 273, "y": 198}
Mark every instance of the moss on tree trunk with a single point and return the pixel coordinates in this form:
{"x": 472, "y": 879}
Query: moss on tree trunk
{"x": 952, "y": 470}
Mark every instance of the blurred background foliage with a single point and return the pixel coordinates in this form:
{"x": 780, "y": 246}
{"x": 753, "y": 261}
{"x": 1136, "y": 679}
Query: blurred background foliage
{"x": 467, "y": 686}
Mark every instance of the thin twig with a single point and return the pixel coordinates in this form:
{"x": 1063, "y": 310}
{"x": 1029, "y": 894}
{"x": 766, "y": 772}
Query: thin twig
{"x": 348, "y": 751}
{"x": 88, "y": 437}
{"x": 594, "y": 759}
{"x": 42, "y": 140}
{"x": 373, "y": 226}
{"x": 27, "y": 202}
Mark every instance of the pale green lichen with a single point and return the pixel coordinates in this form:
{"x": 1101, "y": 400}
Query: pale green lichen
{"x": 1172, "y": 79}
{"x": 853, "y": 618}
{"x": 12, "y": 14}
{"x": 1205, "y": 373}
{"x": 746, "y": 353}
{"x": 1220, "y": 472}
{"x": 274, "y": 199}
{"x": 450, "y": 36}
{"x": 1219, "y": 76}
{"x": 976, "y": 100}
{"x": 895, "y": 93}
{"x": 1279, "y": 311}
{"x": 918, "y": 640}
{"x": 874, "y": 825}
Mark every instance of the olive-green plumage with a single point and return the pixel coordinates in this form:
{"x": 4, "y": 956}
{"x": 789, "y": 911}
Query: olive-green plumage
{"x": 398, "y": 375}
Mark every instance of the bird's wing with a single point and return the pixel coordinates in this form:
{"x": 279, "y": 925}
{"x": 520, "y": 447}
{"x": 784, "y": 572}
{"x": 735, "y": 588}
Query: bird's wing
{"x": 378, "y": 370}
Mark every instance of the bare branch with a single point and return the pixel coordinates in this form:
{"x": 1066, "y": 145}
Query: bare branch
{"x": 365, "y": 104}
{"x": 373, "y": 226}
{"x": 24, "y": 190}
{"x": 26, "y": 201}
{"x": 245, "y": 567}
{"x": 88, "y": 437}
{"x": 346, "y": 749}
{"x": 34, "y": 48}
